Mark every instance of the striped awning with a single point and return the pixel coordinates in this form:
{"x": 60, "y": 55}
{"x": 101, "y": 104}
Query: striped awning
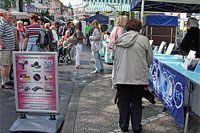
{"x": 110, "y": 1}
{"x": 95, "y": 7}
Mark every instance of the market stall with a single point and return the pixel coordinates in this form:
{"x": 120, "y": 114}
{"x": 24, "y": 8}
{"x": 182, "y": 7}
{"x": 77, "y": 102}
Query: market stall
{"x": 193, "y": 6}
{"x": 1, "y": 12}
{"x": 181, "y": 6}
{"x": 156, "y": 23}
{"x": 20, "y": 15}
{"x": 169, "y": 81}
{"x": 99, "y": 17}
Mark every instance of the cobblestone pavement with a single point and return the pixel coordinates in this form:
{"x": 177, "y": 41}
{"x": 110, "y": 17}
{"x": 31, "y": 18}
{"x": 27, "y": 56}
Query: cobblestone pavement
{"x": 96, "y": 112}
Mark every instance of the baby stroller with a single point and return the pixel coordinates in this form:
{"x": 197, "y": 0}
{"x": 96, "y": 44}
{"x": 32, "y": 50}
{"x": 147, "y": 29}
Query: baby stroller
{"x": 66, "y": 53}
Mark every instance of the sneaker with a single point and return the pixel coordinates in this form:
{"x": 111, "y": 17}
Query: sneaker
{"x": 6, "y": 87}
{"x": 94, "y": 72}
{"x": 79, "y": 67}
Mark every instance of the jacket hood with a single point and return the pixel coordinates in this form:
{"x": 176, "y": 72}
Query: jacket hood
{"x": 127, "y": 39}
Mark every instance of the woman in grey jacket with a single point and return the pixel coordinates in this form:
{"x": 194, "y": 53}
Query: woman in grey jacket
{"x": 132, "y": 58}
{"x": 96, "y": 44}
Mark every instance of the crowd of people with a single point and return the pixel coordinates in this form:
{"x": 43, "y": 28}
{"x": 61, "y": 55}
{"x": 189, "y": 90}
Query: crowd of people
{"x": 131, "y": 52}
{"x": 45, "y": 37}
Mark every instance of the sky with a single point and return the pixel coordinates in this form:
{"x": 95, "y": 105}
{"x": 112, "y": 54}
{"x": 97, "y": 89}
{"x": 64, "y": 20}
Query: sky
{"x": 73, "y": 2}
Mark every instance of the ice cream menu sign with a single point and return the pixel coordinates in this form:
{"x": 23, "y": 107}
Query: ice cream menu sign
{"x": 36, "y": 82}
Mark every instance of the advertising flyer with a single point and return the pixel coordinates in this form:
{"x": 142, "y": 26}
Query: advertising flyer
{"x": 169, "y": 86}
{"x": 35, "y": 82}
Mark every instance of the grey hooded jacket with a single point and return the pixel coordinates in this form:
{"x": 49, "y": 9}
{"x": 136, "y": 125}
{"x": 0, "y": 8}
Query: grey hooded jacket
{"x": 96, "y": 42}
{"x": 132, "y": 57}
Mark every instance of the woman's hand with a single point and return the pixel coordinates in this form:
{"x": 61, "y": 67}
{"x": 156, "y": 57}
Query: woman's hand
{"x": 2, "y": 44}
{"x": 25, "y": 43}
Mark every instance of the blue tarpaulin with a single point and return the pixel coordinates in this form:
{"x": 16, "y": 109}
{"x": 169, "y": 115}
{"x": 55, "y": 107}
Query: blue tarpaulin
{"x": 100, "y": 18}
{"x": 161, "y": 20}
{"x": 169, "y": 84}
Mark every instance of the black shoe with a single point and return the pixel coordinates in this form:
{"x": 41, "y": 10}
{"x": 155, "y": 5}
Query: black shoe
{"x": 138, "y": 130}
{"x": 101, "y": 71}
{"x": 149, "y": 96}
{"x": 124, "y": 129}
{"x": 10, "y": 83}
{"x": 164, "y": 109}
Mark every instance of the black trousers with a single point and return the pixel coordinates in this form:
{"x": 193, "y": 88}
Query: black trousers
{"x": 130, "y": 105}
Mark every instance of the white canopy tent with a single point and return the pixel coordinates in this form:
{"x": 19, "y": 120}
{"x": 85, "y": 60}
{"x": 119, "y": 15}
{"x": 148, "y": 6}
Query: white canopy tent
{"x": 95, "y": 7}
{"x": 20, "y": 15}
{"x": 2, "y": 10}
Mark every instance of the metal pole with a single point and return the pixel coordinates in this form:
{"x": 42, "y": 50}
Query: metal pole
{"x": 192, "y": 87}
{"x": 142, "y": 11}
{"x": 130, "y": 15}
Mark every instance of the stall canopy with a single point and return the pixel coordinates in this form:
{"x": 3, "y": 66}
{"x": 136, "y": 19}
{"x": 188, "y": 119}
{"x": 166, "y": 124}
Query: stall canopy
{"x": 100, "y": 18}
{"x": 105, "y": 5}
{"x": 20, "y": 15}
{"x": 110, "y": 1}
{"x": 2, "y": 11}
{"x": 161, "y": 20}
{"x": 95, "y": 7}
{"x": 189, "y": 6}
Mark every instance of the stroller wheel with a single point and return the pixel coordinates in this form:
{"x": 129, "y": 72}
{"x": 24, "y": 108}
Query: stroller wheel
{"x": 66, "y": 59}
{"x": 72, "y": 54}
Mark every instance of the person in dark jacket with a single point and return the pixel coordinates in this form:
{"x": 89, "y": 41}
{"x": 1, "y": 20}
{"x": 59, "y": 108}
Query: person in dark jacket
{"x": 70, "y": 26}
{"x": 91, "y": 31}
{"x": 50, "y": 36}
{"x": 191, "y": 41}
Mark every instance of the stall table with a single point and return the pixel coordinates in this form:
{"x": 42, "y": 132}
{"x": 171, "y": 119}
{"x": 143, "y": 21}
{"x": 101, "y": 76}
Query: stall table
{"x": 175, "y": 85}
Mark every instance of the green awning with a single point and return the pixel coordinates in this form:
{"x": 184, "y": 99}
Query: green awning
{"x": 110, "y": 1}
{"x": 48, "y": 19}
{"x": 95, "y": 7}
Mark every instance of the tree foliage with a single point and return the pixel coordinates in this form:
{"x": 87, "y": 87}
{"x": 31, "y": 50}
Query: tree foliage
{"x": 9, "y": 4}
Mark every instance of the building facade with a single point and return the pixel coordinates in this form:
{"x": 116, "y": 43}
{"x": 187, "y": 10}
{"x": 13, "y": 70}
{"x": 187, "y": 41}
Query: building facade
{"x": 53, "y": 7}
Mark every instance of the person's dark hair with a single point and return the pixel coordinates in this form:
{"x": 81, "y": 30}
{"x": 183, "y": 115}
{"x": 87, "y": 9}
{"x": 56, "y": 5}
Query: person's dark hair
{"x": 133, "y": 24}
{"x": 34, "y": 17}
{"x": 41, "y": 19}
{"x": 95, "y": 23}
{"x": 112, "y": 22}
{"x": 69, "y": 22}
{"x": 78, "y": 26}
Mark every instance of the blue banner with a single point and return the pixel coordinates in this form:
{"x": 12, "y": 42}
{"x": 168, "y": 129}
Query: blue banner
{"x": 169, "y": 86}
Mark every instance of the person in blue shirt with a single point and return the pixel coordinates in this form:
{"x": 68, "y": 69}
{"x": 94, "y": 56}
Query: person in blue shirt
{"x": 110, "y": 27}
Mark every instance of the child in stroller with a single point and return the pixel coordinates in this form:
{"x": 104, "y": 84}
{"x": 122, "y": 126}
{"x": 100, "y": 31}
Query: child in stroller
{"x": 66, "y": 50}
